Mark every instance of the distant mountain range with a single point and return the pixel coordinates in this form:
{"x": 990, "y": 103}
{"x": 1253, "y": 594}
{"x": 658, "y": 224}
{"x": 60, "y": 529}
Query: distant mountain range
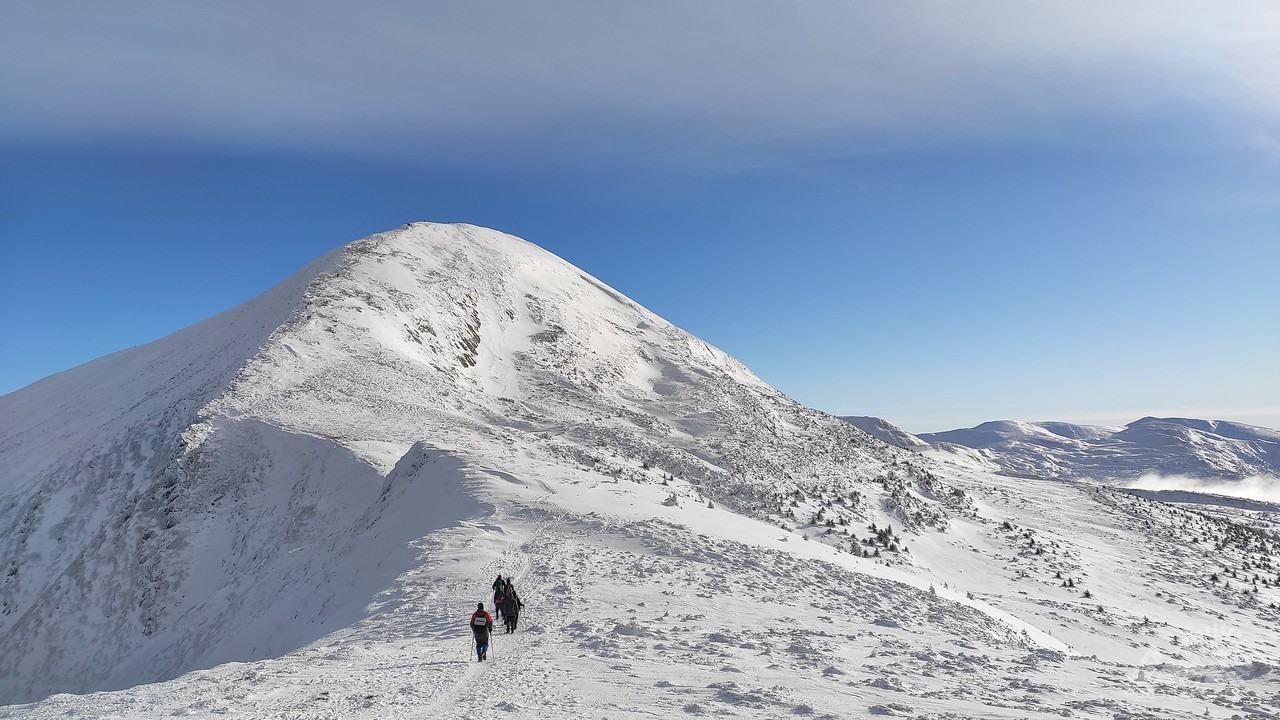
{"x": 1165, "y": 446}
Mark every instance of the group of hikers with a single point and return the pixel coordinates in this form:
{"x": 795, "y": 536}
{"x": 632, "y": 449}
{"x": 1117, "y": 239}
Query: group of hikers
{"x": 506, "y": 603}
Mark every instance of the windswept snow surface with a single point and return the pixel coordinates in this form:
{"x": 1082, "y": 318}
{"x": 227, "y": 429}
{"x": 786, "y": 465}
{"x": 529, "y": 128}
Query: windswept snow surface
{"x": 288, "y": 511}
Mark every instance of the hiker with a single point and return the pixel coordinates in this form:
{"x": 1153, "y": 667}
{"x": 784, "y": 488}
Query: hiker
{"x": 499, "y": 590}
{"x": 499, "y": 600}
{"x": 481, "y": 624}
{"x": 511, "y": 609}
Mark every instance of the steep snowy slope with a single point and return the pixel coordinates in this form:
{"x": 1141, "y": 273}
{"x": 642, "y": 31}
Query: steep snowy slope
{"x": 287, "y": 510}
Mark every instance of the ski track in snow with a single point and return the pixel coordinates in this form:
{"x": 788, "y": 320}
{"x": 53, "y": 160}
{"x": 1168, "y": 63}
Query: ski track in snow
{"x": 303, "y": 535}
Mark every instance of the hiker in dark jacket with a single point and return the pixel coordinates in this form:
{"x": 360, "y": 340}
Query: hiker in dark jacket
{"x": 499, "y": 600}
{"x": 511, "y": 609}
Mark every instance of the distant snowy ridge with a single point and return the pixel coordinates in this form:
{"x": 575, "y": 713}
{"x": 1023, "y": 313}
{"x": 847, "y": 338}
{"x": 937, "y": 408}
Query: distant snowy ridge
{"x": 1149, "y": 446}
{"x": 885, "y": 431}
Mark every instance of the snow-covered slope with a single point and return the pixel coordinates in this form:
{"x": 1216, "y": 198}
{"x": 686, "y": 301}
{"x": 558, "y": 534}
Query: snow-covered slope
{"x": 289, "y": 509}
{"x": 886, "y": 432}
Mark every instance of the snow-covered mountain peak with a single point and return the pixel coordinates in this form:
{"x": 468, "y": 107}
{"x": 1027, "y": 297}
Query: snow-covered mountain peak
{"x": 199, "y": 463}
{"x": 433, "y": 320}
{"x": 291, "y": 508}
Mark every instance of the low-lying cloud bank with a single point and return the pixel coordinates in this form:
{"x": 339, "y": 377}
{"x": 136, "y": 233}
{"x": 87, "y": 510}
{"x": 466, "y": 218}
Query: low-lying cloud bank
{"x": 1260, "y": 487}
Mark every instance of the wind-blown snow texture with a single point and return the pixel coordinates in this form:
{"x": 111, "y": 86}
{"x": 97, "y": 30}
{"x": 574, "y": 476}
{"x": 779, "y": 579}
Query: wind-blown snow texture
{"x": 288, "y": 510}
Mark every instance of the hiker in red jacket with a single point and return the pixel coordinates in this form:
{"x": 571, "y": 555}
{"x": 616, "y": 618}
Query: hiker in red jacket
{"x": 481, "y": 624}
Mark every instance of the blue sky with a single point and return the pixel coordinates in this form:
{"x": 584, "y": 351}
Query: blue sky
{"x": 933, "y": 214}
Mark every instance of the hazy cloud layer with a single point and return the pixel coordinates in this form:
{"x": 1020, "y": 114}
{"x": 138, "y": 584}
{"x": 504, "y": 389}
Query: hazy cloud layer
{"x": 707, "y": 77}
{"x": 1262, "y": 488}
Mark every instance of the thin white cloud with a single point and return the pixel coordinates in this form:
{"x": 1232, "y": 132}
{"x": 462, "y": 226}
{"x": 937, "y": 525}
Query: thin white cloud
{"x": 466, "y": 77}
{"x": 1261, "y": 487}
